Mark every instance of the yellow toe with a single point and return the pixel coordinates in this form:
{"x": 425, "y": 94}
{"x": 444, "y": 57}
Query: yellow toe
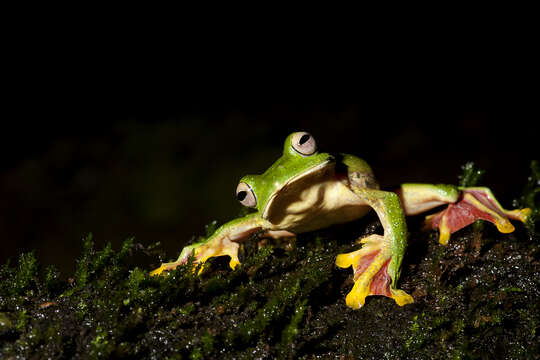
{"x": 401, "y": 297}
{"x": 504, "y": 226}
{"x": 354, "y": 301}
{"x": 346, "y": 260}
{"x": 519, "y": 214}
{"x": 356, "y": 298}
{"x": 234, "y": 263}
{"x": 444, "y": 235}
{"x": 157, "y": 271}
{"x": 444, "y": 231}
{"x": 201, "y": 268}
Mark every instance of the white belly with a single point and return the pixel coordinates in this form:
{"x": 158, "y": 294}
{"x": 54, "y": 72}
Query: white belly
{"x": 321, "y": 204}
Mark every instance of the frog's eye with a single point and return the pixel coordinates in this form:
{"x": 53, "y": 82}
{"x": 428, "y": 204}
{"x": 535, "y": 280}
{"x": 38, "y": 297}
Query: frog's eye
{"x": 245, "y": 194}
{"x": 303, "y": 143}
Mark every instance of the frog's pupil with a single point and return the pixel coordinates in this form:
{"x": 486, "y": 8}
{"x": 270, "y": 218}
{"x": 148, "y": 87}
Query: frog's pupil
{"x": 304, "y": 139}
{"x": 241, "y": 195}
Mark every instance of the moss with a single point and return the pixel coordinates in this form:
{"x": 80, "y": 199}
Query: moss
{"x": 22, "y": 320}
{"x": 291, "y": 330}
{"x": 52, "y": 282}
{"x": 207, "y": 343}
{"x": 530, "y": 198}
{"x": 23, "y": 279}
{"x": 85, "y": 262}
{"x": 99, "y": 346}
{"x": 470, "y": 175}
{"x": 5, "y": 322}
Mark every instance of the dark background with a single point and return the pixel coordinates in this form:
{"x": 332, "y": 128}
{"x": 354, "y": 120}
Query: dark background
{"x": 162, "y": 178}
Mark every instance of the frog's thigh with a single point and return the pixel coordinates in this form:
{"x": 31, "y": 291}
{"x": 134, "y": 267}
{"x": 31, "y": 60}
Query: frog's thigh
{"x": 418, "y": 198}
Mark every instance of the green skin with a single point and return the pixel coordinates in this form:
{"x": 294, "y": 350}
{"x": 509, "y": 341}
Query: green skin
{"x": 300, "y": 193}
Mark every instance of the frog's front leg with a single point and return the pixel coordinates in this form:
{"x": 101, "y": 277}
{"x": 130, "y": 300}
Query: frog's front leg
{"x": 377, "y": 264}
{"x": 224, "y": 241}
{"x": 465, "y": 205}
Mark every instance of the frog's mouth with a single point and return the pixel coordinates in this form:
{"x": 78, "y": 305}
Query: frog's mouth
{"x": 298, "y": 190}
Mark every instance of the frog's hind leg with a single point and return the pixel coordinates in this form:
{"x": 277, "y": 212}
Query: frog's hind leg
{"x": 371, "y": 276}
{"x": 465, "y": 205}
{"x": 377, "y": 264}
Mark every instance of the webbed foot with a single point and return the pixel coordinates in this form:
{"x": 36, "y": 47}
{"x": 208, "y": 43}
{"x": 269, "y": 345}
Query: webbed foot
{"x": 473, "y": 204}
{"x": 224, "y": 241}
{"x": 371, "y": 272}
{"x": 201, "y": 252}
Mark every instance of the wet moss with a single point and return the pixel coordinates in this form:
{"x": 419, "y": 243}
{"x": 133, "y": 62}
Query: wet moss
{"x": 470, "y": 175}
{"x": 530, "y": 198}
{"x": 22, "y": 279}
{"x": 475, "y": 298}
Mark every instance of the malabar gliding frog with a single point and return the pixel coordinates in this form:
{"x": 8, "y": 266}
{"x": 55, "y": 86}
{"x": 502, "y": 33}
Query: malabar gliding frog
{"x": 306, "y": 190}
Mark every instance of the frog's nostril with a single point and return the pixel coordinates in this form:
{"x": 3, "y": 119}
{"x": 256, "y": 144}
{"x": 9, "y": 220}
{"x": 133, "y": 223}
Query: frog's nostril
{"x": 241, "y": 195}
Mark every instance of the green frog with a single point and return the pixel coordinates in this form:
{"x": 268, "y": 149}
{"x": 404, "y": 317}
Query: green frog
{"x": 306, "y": 190}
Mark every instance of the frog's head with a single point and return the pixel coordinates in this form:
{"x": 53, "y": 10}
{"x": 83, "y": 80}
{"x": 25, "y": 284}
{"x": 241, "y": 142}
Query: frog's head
{"x": 300, "y": 166}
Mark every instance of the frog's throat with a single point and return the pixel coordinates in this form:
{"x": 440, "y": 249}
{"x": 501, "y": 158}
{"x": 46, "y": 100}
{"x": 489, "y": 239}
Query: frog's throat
{"x": 327, "y": 164}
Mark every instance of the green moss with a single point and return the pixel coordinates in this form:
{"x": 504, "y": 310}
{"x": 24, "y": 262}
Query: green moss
{"x": 291, "y": 330}
{"x": 84, "y": 263}
{"x": 99, "y": 346}
{"x": 187, "y": 309}
{"x": 5, "y": 322}
{"x": 530, "y": 198}
{"x": 207, "y": 343}
{"x": 22, "y": 320}
{"x": 470, "y": 175}
{"x": 23, "y": 280}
